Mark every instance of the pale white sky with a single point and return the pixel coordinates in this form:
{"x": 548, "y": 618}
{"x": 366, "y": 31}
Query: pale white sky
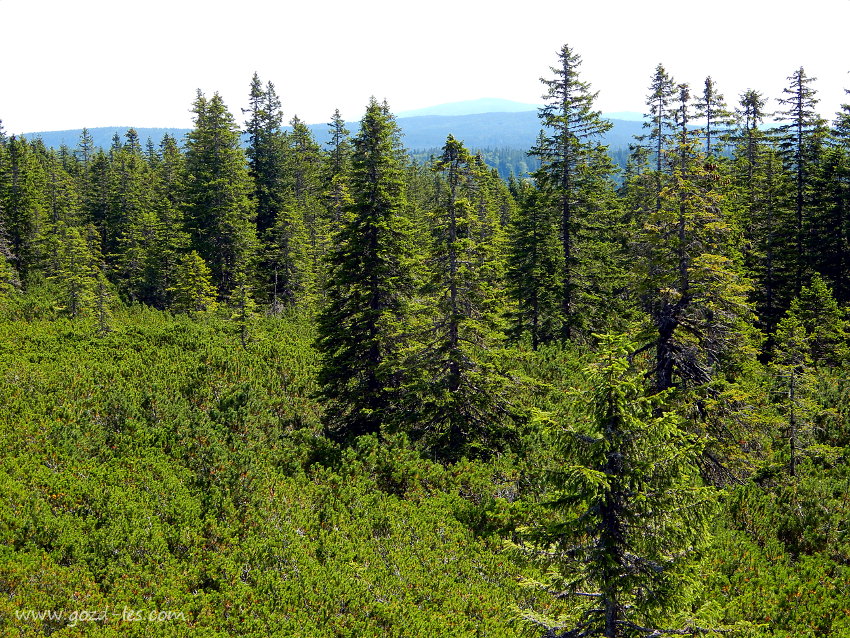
{"x": 74, "y": 63}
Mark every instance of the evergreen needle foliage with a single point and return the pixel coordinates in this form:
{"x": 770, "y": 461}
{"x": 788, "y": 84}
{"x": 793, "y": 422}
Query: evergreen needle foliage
{"x": 629, "y": 512}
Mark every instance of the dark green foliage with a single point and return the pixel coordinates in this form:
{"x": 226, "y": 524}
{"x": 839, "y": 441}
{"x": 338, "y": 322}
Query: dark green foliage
{"x": 24, "y": 208}
{"x": 693, "y": 288}
{"x": 362, "y": 326}
{"x": 711, "y": 107}
{"x": 132, "y": 240}
{"x": 170, "y": 236}
{"x": 629, "y": 513}
{"x": 828, "y": 229}
{"x": 533, "y": 268}
{"x": 659, "y": 120}
{"x": 761, "y": 197}
{"x": 221, "y": 213}
{"x": 574, "y": 179}
{"x": 265, "y": 151}
{"x": 459, "y": 398}
{"x": 800, "y": 139}
{"x": 304, "y": 195}
{"x": 824, "y": 322}
{"x": 287, "y": 257}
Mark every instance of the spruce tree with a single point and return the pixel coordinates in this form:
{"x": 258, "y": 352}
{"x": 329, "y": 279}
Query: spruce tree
{"x": 363, "y": 322}
{"x": 841, "y": 126}
{"x": 339, "y": 147}
{"x": 629, "y": 513}
{"x": 303, "y": 164}
{"x": 243, "y": 309}
{"x": 839, "y": 199}
{"x": 192, "y": 289}
{"x": 337, "y": 164}
{"x": 711, "y": 107}
{"x": 9, "y": 279}
{"x": 760, "y": 199}
{"x": 287, "y": 256}
{"x": 102, "y": 302}
{"x": 816, "y": 309}
{"x": 170, "y": 235}
{"x": 659, "y": 122}
{"x": 220, "y": 210}
{"x": 76, "y": 266}
{"x": 459, "y": 395}
{"x": 533, "y": 268}
{"x": 24, "y": 206}
{"x": 828, "y": 226}
{"x": 791, "y": 370}
{"x": 264, "y": 129}
{"x": 692, "y": 285}
{"x": 574, "y": 175}
{"x": 131, "y": 221}
{"x": 800, "y": 139}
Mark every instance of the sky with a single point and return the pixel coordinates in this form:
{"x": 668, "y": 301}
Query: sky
{"x": 74, "y": 63}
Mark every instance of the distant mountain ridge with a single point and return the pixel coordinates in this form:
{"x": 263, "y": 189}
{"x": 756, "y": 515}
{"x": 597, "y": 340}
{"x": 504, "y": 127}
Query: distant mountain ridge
{"x": 471, "y": 107}
{"x": 514, "y": 126}
{"x": 484, "y": 130}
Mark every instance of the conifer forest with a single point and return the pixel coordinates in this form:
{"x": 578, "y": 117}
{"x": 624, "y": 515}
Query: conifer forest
{"x": 253, "y": 385}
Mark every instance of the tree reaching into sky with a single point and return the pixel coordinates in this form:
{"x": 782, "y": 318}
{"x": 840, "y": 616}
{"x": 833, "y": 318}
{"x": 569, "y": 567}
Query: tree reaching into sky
{"x": 659, "y": 121}
{"x": 575, "y": 170}
{"x": 221, "y": 213}
{"x": 264, "y": 129}
{"x": 362, "y": 326}
{"x": 717, "y": 120}
{"x": 799, "y": 143}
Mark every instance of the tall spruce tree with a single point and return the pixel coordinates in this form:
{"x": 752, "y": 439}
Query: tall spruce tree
{"x": 9, "y": 278}
{"x": 718, "y": 120}
{"x": 800, "y": 139}
{"x": 459, "y": 395}
{"x": 220, "y": 210}
{"x": 337, "y": 164}
{"x": 131, "y": 221}
{"x": 574, "y": 173}
{"x": 24, "y": 206}
{"x": 363, "y": 322}
{"x": 837, "y": 204}
{"x": 761, "y": 186}
{"x": 659, "y": 122}
{"x": 171, "y": 238}
{"x": 693, "y": 289}
{"x": 304, "y": 193}
{"x": 264, "y": 129}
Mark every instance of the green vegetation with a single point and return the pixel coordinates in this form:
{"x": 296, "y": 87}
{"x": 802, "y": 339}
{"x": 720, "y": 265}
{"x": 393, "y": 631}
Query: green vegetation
{"x": 306, "y": 390}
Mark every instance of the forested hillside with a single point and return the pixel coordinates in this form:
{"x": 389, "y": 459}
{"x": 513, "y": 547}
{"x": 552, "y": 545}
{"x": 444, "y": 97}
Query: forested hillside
{"x": 303, "y": 388}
